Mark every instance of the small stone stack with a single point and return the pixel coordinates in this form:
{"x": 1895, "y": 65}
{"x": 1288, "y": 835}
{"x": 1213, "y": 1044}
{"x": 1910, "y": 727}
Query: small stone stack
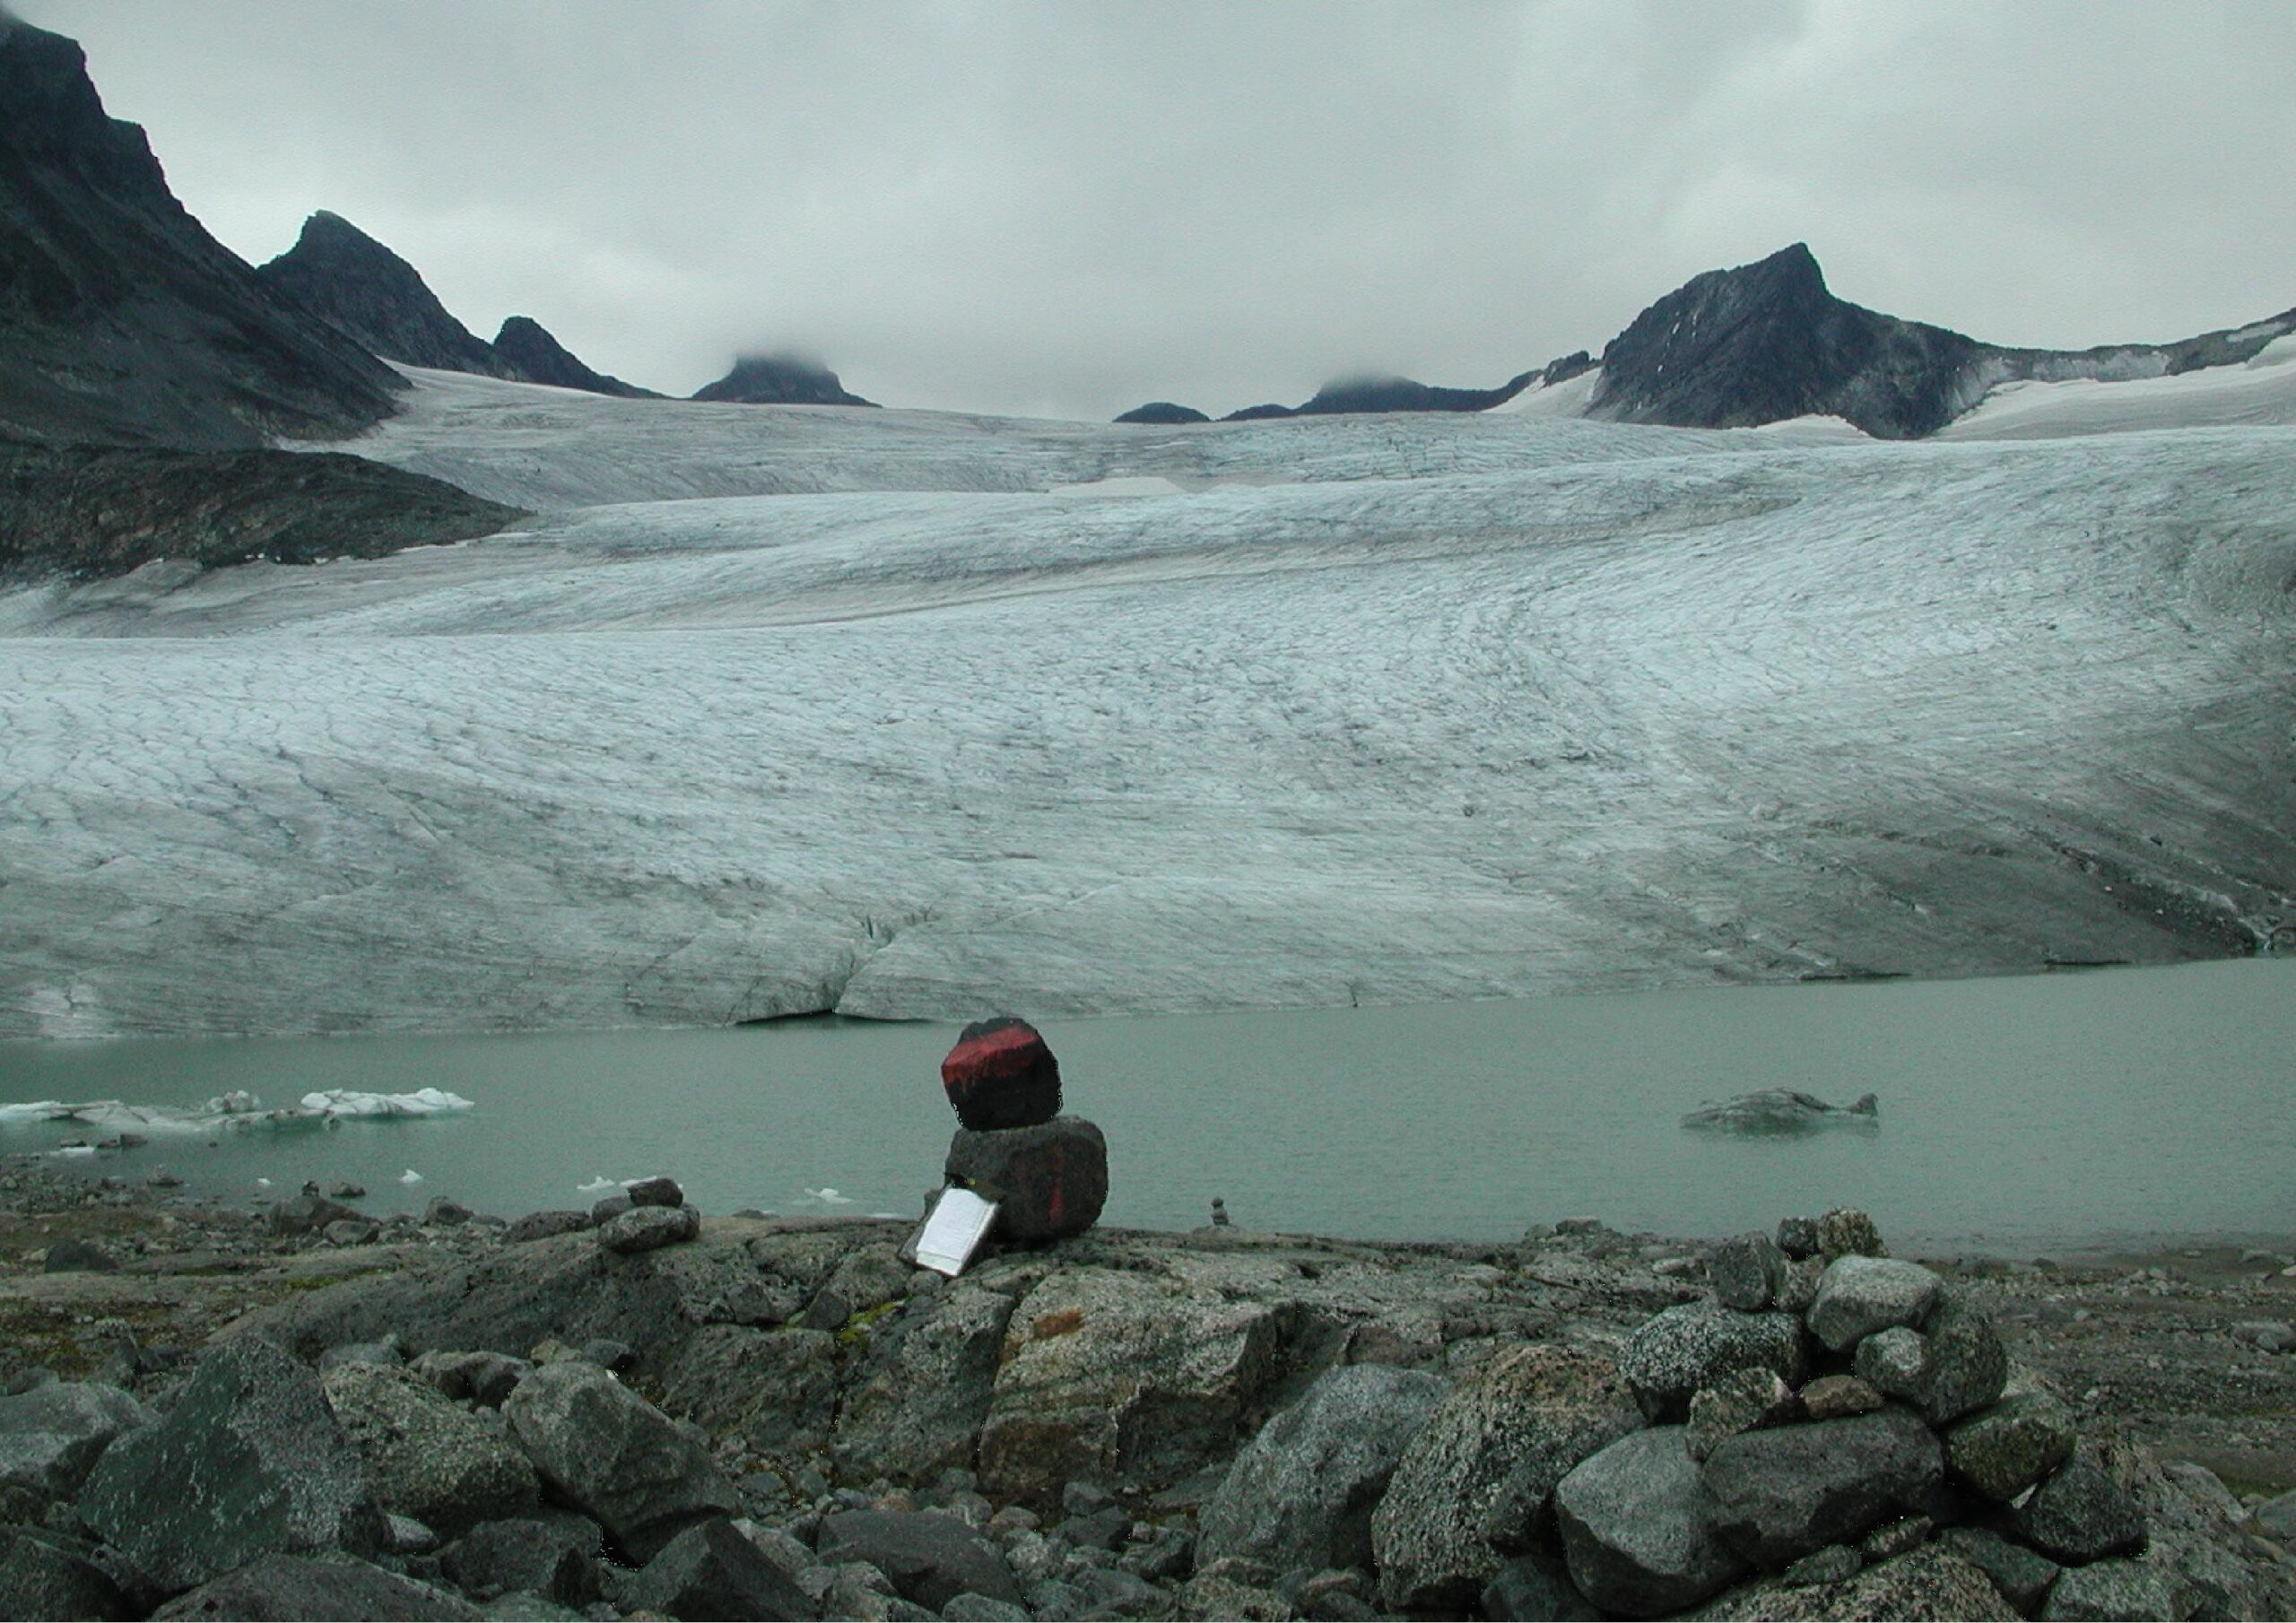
{"x": 1830, "y": 1408}
{"x": 1049, "y": 1172}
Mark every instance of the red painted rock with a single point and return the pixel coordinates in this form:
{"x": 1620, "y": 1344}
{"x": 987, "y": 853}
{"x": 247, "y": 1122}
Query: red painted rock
{"x": 1052, "y": 1179}
{"x": 1000, "y": 1075}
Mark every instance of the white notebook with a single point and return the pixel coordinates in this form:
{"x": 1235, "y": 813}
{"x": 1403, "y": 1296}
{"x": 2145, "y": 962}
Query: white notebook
{"x": 952, "y": 1231}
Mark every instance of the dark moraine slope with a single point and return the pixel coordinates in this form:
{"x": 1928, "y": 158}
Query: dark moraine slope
{"x": 530, "y": 351}
{"x": 86, "y": 512}
{"x": 337, "y": 272}
{"x": 121, "y": 320}
{"x": 1764, "y": 342}
{"x": 780, "y": 380}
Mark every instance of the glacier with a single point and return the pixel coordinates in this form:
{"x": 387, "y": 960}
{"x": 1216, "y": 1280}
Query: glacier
{"x": 777, "y": 711}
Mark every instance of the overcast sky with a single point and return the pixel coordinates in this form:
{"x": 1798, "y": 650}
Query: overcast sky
{"x": 1068, "y": 208}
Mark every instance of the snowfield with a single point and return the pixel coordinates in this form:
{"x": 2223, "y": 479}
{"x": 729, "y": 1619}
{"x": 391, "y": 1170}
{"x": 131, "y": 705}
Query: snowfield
{"x": 770, "y": 711}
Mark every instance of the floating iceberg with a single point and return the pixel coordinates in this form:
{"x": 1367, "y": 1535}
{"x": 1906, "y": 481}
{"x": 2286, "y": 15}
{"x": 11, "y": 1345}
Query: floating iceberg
{"x": 1777, "y": 1110}
{"x": 234, "y": 1110}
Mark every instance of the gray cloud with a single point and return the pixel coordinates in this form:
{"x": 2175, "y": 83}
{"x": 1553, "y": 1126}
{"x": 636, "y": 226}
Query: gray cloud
{"x": 1064, "y": 210}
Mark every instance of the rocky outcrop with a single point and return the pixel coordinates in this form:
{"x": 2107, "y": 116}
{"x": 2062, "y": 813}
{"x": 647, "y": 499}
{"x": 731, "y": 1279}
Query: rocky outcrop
{"x": 1164, "y": 411}
{"x": 343, "y": 276}
{"x": 785, "y": 378}
{"x": 122, "y": 321}
{"x": 1381, "y": 393}
{"x": 607, "y": 1451}
{"x": 91, "y": 513}
{"x": 525, "y": 346}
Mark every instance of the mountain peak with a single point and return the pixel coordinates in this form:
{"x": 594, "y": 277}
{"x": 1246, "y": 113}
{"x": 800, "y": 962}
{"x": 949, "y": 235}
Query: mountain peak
{"x": 339, "y": 272}
{"x": 782, "y": 377}
{"x": 531, "y": 352}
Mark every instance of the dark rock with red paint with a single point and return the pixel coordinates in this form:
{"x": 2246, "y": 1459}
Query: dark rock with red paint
{"x": 1001, "y": 1075}
{"x": 1051, "y": 1179}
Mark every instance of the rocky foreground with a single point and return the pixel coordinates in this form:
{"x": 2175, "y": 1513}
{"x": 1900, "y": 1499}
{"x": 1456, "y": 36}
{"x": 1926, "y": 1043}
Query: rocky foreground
{"x": 640, "y": 1413}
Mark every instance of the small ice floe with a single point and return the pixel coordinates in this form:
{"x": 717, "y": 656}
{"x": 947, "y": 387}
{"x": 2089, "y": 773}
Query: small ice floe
{"x": 600, "y": 1184}
{"x": 263, "y": 1183}
{"x": 1781, "y": 1110}
{"x": 76, "y": 1150}
{"x": 829, "y": 1197}
{"x": 409, "y": 1176}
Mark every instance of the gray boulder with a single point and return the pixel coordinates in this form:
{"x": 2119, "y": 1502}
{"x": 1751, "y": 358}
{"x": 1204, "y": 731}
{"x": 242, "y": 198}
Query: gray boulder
{"x": 51, "y": 1436}
{"x": 1699, "y": 1343}
{"x": 250, "y": 1462}
{"x": 544, "y": 1226}
{"x": 1536, "y": 1588}
{"x": 2003, "y": 1450}
{"x": 77, "y": 1257}
{"x": 41, "y": 1578}
{"x": 1743, "y": 1400}
{"x": 1846, "y": 1231}
{"x": 484, "y": 1378}
{"x": 1637, "y": 1531}
{"x": 930, "y": 1558}
{"x": 1746, "y": 1272}
{"x": 277, "y": 1588}
{"x": 1786, "y": 1493}
{"x": 2109, "y": 1590}
{"x": 2080, "y": 1514}
{"x": 1301, "y": 1493}
{"x": 925, "y": 1391}
{"x": 1895, "y": 1362}
{"x": 1477, "y": 1484}
{"x": 2022, "y": 1576}
{"x": 1930, "y": 1582}
{"x": 711, "y": 1571}
{"x": 649, "y": 1228}
{"x": 655, "y": 1192}
{"x": 1860, "y": 1295}
{"x": 615, "y": 1456}
{"x": 1969, "y": 1367}
{"x": 426, "y": 1456}
{"x": 522, "y": 1557}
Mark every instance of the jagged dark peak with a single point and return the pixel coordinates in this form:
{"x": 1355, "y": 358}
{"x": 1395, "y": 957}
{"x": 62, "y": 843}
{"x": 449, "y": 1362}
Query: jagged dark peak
{"x": 527, "y": 347}
{"x": 121, "y": 320}
{"x": 1164, "y": 411}
{"x": 1763, "y": 341}
{"x": 342, "y": 274}
{"x": 785, "y": 377}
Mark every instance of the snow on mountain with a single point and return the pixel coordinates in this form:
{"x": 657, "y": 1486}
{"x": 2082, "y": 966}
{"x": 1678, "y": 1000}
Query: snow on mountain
{"x": 784, "y": 708}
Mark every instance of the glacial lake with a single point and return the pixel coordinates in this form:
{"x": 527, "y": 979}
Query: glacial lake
{"x": 2017, "y": 1114}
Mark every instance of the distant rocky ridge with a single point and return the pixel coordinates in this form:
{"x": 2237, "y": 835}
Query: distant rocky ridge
{"x": 780, "y": 380}
{"x": 1377, "y": 392}
{"x": 89, "y": 511}
{"x": 122, "y": 321}
{"x": 1765, "y": 342}
{"x": 527, "y": 345}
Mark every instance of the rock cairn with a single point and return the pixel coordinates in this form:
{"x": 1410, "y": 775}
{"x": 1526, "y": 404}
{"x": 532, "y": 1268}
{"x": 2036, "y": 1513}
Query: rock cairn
{"x": 1048, "y": 1171}
{"x": 1827, "y": 1409}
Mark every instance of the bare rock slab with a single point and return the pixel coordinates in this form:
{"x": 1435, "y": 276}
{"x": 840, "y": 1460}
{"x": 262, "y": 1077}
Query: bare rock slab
{"x": 1302, "y": 1492}
{"x": 250, "y": 1462}
{"x": 426, "y": 1456}
{"x": 51, "y": 1436}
